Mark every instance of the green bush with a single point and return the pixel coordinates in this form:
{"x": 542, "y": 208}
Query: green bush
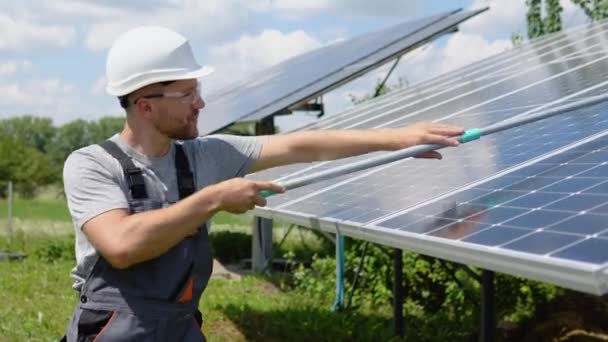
{"x": 229, "y": 246}
{"x": 442, "y": 299}
{"x": 55, "y": 250}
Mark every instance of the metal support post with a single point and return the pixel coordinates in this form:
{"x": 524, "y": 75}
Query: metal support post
{"x": 261, "y": 245}
{"x": 488, "y": 323}
{"x": 339, "y": 301}
{"x": 10, "y": 212}
{"x": 398, "y": 292}
{"x": 261, "y": 235}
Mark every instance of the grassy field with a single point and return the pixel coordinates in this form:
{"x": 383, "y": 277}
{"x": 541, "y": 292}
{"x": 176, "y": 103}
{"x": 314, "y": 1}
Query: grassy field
{"x": 37, "y": 298}
{"x": 37, "y": 302}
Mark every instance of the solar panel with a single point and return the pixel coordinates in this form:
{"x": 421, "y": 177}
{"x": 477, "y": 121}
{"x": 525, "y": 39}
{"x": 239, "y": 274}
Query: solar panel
{"x": 492, "y": 69}
{"x": 418, "y": 109}
{"x": 308, "y": 75}
{"x": 531, "y": 201}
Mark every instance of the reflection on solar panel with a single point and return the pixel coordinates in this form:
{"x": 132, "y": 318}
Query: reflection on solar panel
{"x": 530, "y": 201}
{"x": 309, "y": 75}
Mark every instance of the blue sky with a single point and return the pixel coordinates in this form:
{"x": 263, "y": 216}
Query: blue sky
{"x": 52, "y": 53}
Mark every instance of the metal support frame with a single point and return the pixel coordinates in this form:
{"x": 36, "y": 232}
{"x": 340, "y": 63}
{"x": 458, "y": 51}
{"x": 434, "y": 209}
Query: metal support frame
{"x": 339, "y": 301}
{"x": 10, "y": 212}
{"x": 383, "y": 83}
{"x": 398, "y": 292}
{"x": 261, "y": 245}
{"x": 488, "y": 321}
{"x": 357, "y": 274}
{"x": 261, "y": 235}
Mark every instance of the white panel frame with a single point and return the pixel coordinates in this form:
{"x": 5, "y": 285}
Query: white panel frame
{"x": 579, "y": 276}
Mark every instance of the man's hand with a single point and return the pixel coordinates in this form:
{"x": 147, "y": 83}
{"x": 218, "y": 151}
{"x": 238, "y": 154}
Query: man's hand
{"x": 239, "y": 195}
{"x": 422, "y": 133}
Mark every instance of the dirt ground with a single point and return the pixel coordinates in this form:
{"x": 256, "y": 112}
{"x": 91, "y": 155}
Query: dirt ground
{"x": 573, "y": 317}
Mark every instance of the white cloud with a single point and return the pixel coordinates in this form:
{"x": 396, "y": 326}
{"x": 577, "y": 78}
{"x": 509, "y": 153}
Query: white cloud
{"x": 12, "y": 67}
{"x": 79, "y": 8}
{"x": 389, "y": 8}
{"x": 208, "y": 21}
{"x": 463, "y": 48}
{"x": 99, "y": 86}
{"x": 501, "y": 20}
{"x": 18, "y": 33}
{"x": 51, "y": 97}
{"x": 101, "y": 36}
{"x": 12, "y": 94}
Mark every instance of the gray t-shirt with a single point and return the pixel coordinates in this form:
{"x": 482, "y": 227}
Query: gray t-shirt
{"x": 94, "y": 182}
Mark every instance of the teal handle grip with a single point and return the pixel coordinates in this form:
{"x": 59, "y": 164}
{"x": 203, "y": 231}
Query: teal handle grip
{"x": 470, "y": 135}
{"x": 266, "y": 193}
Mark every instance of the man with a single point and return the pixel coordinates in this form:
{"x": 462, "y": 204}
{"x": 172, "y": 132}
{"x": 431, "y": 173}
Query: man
{"x": 140, "y": 200}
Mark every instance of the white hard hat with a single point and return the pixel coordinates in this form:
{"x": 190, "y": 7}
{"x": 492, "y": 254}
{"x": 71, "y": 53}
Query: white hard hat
{"x": 147, "y": 55}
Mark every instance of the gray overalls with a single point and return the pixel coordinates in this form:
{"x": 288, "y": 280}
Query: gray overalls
{"x": 156, "y": 300}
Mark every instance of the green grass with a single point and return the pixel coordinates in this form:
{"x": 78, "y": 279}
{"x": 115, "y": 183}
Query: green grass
{"x": 37, "y": 301}
{"x": 37, "y": 209}
{"x": 55, "y": 209}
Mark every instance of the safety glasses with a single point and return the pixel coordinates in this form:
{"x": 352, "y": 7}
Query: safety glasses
{"x": 187, "y": 97}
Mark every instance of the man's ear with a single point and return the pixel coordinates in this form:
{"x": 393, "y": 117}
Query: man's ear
{"x": 143, "y": 108}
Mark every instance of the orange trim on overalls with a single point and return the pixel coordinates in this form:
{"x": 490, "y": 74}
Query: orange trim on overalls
{"x": 105, "y": 326}
{"x": 187, "y": 295}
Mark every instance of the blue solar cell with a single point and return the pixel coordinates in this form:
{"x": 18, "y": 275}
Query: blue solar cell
{"x": 601, "y": 210}
{"x": 599, "y": 189}
{"x": 536, "y": 219}
{"x": 427, "y": 225}
{"x": 586, "y": 224}
{"x": 594, "y": 158}
{"x": 460, "y": 229}
{"x": 590, "y": 250}
{"x": 571, "y": 185}
{"x": 496, "y": 236}
{"x": 533, "y": 183}
{"x": 534, "y": 200}
{"x": 578, "y": 202}
{"x": 496, "y": 215}
{"x": 599, "y": 171}
{"x": 542, "y": 242}
{"x": 402, "y": 221}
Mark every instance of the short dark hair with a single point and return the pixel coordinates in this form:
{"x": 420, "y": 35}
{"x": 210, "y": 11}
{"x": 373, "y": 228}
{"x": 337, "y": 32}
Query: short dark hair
{"x": 124, "y": 99}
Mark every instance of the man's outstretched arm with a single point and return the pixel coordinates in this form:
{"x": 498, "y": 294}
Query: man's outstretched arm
{"x": 328, "y": 145}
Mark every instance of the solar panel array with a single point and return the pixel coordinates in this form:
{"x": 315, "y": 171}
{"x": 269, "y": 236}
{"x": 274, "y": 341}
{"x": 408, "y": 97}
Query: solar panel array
{"x": 308, "y": 75}
{"x": 530, "y": 201}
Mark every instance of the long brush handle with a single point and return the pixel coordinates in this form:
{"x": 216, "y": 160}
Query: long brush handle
{"x": 469, "y": 135}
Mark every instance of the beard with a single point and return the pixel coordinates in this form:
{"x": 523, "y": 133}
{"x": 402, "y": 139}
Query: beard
{"x": 177, "y": 129}
{"x": 181, "y": 133}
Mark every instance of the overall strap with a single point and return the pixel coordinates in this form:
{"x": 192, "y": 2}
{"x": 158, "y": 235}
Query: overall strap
{"x": 185, "y": 179}
{"x": 133, "y": 174}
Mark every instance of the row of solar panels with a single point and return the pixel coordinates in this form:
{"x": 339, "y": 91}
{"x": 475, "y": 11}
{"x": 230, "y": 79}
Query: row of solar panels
{"x": 311, "y": 74}
{"x": 529, "y": 201}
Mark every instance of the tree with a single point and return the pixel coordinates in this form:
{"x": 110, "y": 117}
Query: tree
{"x": 539, "y": 26}
{"x": 27, "y": 167}
{"x": 594, "y": 9}
{"x": 105, "y": 128}
{"x": 79, "y": 133}
{"x": 552, "y": 22}
{"x": 32, "y": 131}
